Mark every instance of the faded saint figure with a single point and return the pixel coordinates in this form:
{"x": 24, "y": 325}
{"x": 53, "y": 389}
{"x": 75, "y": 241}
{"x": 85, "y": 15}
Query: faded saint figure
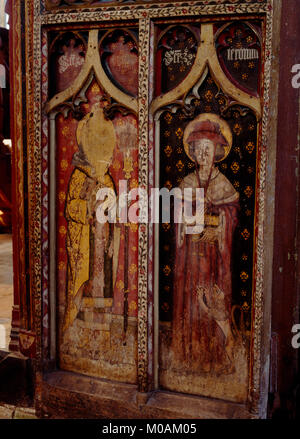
{"x": 202, "y": 340}
{"x": 92, "y": 247}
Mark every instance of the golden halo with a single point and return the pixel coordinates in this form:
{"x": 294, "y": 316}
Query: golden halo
{"x": 224, "y": 127}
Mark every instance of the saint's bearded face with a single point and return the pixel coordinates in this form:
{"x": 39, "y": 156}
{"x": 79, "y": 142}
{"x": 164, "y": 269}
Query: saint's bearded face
{"x": 204, "y": 150}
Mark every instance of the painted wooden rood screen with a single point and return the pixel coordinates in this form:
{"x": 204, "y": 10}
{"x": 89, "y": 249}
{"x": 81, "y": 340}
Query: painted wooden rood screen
{"x": 132, "y": 96}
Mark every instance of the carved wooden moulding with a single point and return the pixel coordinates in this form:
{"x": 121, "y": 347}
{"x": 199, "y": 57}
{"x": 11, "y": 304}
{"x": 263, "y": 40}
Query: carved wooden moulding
{"x": 78, "y": 4}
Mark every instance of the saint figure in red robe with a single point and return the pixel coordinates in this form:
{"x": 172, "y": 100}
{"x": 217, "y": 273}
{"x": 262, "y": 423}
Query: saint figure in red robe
{"x": 202, "y": 339}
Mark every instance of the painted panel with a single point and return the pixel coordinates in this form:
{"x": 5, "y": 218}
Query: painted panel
{"x": 97, "y": 261}
{"x": 209, "y": 140}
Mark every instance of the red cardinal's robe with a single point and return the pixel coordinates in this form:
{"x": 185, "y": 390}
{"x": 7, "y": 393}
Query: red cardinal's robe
{"x": 198, "y": 342}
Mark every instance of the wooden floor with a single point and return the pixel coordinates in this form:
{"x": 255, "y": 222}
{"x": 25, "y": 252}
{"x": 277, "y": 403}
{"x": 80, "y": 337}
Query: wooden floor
{"x": 6, "y": 289}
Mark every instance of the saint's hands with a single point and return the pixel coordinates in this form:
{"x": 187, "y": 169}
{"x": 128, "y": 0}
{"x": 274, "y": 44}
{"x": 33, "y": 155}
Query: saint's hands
{"x": 209, "y": 234}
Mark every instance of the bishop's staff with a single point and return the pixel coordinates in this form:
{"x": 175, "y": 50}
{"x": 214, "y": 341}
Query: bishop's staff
{"x": 127, "y": 143}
